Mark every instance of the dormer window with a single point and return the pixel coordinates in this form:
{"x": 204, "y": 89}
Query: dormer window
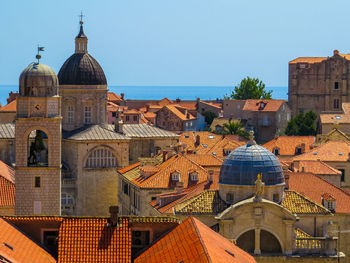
{"x": 194, "y": 176}
{"x": 329, "y": 202}
{"x": 298, "y": 150}
{"x": 276, "y": 151}
{"x": 175, "y": 176}
{"x": 262, "y": 105}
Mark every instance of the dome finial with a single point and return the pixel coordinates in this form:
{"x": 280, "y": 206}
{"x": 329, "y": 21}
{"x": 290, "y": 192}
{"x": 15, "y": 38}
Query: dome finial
{"x": 38, "y": 56}
{"x": 251, "y": 138}
{"x": 81, "y": 18}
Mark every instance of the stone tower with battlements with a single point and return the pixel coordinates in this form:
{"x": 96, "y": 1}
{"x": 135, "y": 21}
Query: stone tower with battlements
{"x": 38, "y": 142}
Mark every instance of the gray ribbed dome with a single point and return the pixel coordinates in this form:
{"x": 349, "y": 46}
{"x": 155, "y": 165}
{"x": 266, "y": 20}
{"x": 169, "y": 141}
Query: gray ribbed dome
{"x": 81, "y": 69}
{"x": 243, "y": 164}
{"x": 38, "y": 80}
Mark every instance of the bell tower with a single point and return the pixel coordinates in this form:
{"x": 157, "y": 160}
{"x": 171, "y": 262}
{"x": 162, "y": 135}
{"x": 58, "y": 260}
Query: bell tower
{"x": 38, "y": 142}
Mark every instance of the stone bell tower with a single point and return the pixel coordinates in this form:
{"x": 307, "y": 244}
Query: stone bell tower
{"x": 38, "y": 142}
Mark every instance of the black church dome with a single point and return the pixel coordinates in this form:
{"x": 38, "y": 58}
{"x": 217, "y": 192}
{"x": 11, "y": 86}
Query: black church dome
{"x": 81, "y": 69}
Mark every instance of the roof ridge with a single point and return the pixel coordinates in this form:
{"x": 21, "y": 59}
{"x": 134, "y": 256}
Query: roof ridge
{"x": 200, "y": 239}
{"x": 194, "y": 162}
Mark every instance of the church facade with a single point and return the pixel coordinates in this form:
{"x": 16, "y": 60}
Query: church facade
{"x": 66, "y": 155}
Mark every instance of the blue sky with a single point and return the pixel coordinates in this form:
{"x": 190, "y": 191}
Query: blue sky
{"x": 182, "y": 42}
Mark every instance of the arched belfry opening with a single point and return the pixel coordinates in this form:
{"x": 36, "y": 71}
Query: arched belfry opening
{"x": 37, "y": 148}
{"x": 268, "y": 243}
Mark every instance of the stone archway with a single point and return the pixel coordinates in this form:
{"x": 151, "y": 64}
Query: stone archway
{"x": 268, "y": 243}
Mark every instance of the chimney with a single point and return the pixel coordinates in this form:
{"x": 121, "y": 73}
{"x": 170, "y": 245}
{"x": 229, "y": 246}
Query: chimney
{"x": 286, "y": 179}
{"x": 198, "y": 140}
{"x": 179, "y": 187}
{"x": 113, "y": 220}
{"x": 178, "y": 100}
{"x": 187, "y": 115}
{"x": 122, "y": 96}
{"x": 118, "y": 126}
{"x": 164, "y": 156}
{"x": 210, "y": 176}
{"x": 335, "y": 52}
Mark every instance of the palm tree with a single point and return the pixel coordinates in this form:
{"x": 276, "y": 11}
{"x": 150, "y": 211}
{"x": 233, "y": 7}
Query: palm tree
{"x": 235, "y": 127}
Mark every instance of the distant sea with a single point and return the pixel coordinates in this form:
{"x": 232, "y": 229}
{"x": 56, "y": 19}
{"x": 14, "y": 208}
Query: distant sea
{"x": 170, "y": 92}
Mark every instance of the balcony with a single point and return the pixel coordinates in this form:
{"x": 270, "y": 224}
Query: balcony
{"x": 68, "y": 182}
{"x": 316, "y": 245}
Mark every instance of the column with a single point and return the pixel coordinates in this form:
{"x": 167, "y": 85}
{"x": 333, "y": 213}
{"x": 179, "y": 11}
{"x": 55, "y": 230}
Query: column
{"x": 257, "y": 249}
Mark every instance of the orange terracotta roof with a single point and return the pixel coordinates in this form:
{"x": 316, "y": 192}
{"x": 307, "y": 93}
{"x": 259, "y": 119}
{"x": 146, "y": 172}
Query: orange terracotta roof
{"x": 180, "y": 112}
{"x": 7, "y": 185}
{"x": 192, "y": 241}
{"x": 216, "y": 105}
{"x": 128, "y": 168}
{"x": 113, "y": 97}
{"x": 236, "y": 138}
{"x": 12, "y": 106}
{"x": 314, "y": 187}
{"x": 334, "y": 118}
{"x": 310, "y": 60}
{"x": 91, "y": 240}
{"x": 131, "y": 111}
{"x": 207, "y": 140}
{"x": 164, "y": 102}
{"x": 15, "y": 219}
{"x": 331, "y": 151}
{"x": 163, "y": 178}
{"x": 328, "y": 197}
{"x": 257, "y": 105}
{"x": 186, "y": 194}
{"x": 287, "y": 144}
{"x": 17, "y": 247}
{"x": 205, "y": 159}
{"x": 224, "y": 145}
{"x": 316, "y": 167}
{"x": 190, "y": 105}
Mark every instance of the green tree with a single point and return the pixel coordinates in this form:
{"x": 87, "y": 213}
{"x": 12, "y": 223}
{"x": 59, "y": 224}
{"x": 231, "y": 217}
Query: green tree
{"x": 235, "y": 127}
{"x": 250, "y": 88}
{"x": 302, "y": 124}
{"x": 209, "y": 116}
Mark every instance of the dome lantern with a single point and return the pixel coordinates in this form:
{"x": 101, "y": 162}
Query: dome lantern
{"x": 81, "y": 39}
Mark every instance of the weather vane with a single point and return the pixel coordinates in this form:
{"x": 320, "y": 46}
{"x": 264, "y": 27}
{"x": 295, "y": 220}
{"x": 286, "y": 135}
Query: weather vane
{"x": 81, "y": 17}
{"x": 38, "y": 56}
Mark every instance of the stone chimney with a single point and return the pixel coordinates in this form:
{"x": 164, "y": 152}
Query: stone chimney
{"x": 114, "y": 219}
{"x": 122, "y": 96}
{"x": 210, "y": 176}
{"x": 335, "y": 52}
{"x": 118, "y": 126}
{"x": 164, "y": 156}
{"x": 179, "y": 187}
{"x": 198, "y": 140}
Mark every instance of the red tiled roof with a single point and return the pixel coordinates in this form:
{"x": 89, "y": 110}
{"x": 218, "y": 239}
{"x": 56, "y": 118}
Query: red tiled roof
{"x": 314, "y": 187}
{"x": 287, "y": 144}
{"x": 12, "y": 106}
{"x": 7, "y": 185}
{"x": 334, "y": 118}
{"x": 207, "y": 140}
{"x": 163, "y": 178}
{"x": 224, "y": 144}
{"x": 205, "y": 159}
{"x": 91, "y": 240}
{"x": 310, "y": 60}
{"x": 331, "y": 151}
{"x": 113, "y": 97}
{"x": 164, "y": 102}
{"x": 257, "y": 105}
{"x": 16, "y": 247}
{"x": 190, "y": 105}
{"x": 316, "y": 167}
{"x": 129, "y": 167}
{"x": 180, "y": 112}
{"x": 192, "y": 241}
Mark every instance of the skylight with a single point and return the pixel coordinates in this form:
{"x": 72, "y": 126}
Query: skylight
{"x": 315, "y": 153}
{"x": 338, "y": 117}
{"x": 211, "y": 136}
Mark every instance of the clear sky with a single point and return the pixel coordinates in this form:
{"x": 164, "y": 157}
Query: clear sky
{"x": 175, "y": 42}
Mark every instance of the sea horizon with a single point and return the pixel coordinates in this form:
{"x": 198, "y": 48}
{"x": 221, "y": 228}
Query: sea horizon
{"x": 158, "y": 92}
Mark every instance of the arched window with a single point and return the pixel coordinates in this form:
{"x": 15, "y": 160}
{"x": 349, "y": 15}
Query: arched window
{"x": 37, "y": 148}
{"x": 101, "y": 158}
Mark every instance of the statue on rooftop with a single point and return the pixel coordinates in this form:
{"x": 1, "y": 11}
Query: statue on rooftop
{"x": 259, "y": 188}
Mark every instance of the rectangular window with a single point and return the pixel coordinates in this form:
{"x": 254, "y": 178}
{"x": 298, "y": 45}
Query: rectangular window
{"x": 37, "y": 207}
{"x": 127, "y": 118}
{"x": 336, "y": 85}
{"x": 87, "y": 115}
{"x": 126, "y": 188}
{"x": 114, "y": 114}
{"x": 37, "y": 182}
{"x": 342, "y": 178}
{"x": 70, "y": 113}
{"x": 135, "y": 118}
